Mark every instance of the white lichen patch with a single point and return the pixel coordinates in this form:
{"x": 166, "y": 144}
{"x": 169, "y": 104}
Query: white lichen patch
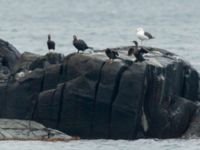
{"x": 20, "y": 75}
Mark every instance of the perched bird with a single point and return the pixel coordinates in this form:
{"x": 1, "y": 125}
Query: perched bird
{"x": 142, "y": 35}
{"x": 111, "y": 54}
{"x": 80, "y": 44}
{"x": 138, "y": 53}
{"x": 50, "y": 44}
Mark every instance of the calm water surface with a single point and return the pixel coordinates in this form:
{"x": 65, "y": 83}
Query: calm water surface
{"x": 103, "y": 145}
{"x": 102, "y": 23}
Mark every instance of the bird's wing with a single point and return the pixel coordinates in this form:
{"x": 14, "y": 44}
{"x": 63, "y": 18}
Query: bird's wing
{"x": 108, "y": 53}
{"x": 51, "y": 44}
{"x": 148, "y": 35}
{"x": 54, "y": 44}
{"x": 130, "y": 51}
{"x": 143, "y": 50}
{"x": 81, "y": 42}
{"x": 116, "y": 53}
{"x": 80, "y": 45}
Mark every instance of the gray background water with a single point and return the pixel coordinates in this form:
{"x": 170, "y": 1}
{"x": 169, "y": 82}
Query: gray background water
{"x": 104, "y": 23}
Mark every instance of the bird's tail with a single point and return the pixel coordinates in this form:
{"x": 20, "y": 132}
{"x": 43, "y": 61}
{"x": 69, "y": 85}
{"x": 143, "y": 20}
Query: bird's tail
{"x": 119, "y": 58}
{"x": 90, "y": 47}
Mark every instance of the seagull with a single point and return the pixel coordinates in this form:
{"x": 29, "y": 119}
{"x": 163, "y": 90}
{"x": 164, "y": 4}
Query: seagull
{"x": 50, "y": 44}
{"x": 111, "y": 54}
{"x": 138, "y": 53}
{"x": 142, "y": 35}
{"x": 79, "y": 44}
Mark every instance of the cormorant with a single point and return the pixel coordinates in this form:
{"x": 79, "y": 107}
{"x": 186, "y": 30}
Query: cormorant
{"x": 111, "y": 54}
{"x": 142, "y": 35}
{"x": 80, "y": 44}
{"x": 138, "y": 53}
{"x": 50, "y": 44}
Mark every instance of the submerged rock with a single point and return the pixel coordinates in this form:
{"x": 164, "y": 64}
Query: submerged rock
{"x": 29, "y": 130}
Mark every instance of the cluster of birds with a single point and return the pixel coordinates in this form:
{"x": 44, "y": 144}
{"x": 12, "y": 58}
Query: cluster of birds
{"x": 81, "y": 45}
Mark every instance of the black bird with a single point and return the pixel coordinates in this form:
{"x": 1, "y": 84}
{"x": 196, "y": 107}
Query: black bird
{"x": 80, "y": 44}
{"x": 50, "y": 44}
{"x": 138, "y": 53}
{"x": 111, "y": 54}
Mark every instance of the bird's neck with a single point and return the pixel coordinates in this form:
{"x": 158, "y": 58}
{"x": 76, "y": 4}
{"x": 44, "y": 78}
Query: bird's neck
{"x": 136, "y": 46}
{"x": 75, "y": 39}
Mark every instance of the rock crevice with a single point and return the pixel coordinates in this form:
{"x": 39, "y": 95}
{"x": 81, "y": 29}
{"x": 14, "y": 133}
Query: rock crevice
{"x": 84, "y": 95}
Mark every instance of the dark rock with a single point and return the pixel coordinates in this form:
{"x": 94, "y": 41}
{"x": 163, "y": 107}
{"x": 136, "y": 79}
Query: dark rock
{"x": 164, "y": 84}
{"x": 193, "y": 130}
{"x": 3, "y": 96}
{"x": 127, "y": 107}
{"x": 52, "y": 76}
{"x": 47, "y": 60}
{"x": 181, "y": 111}
{"x": 191, "y": 84}
{"x": 44, "y": 111}
{"x": 49, "y": 107}
{"x": 171, "y": 122}
{"x": 85, "y": 95}
{"x": 109, "y": 81}
{"x": 25, "y": 61}
{"x": 120, "y": 114}
{"x": 22, "y": 96}
{"x": 83, "y": 75}
{"x": 9, "y": 54}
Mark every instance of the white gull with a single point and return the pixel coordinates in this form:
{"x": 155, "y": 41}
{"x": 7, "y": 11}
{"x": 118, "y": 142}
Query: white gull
{"x": 142, "y": 35}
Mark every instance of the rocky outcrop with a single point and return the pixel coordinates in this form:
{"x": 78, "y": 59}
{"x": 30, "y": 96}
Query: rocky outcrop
{"x": 26, "y": 59}
{"x": 8, "y": 54}
{"x": 47, "y": 60}
{"x": 85, "y": 95}
{"x": 8, "y": 58}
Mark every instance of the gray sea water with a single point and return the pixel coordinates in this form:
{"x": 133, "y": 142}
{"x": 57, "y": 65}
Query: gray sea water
{"x": 104, "y": 23}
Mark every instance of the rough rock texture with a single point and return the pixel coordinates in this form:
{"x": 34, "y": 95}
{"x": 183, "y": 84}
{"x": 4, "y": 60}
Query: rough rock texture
{"x": 8, "y": 58}
{"x": 45, "y": 61}
{"x": 29, "y": 130}
{"x": 85, "y": 95}
{"x": 25, "y": 61}
{"x": 8, "y": 54}
{"x": 193, "y": 130}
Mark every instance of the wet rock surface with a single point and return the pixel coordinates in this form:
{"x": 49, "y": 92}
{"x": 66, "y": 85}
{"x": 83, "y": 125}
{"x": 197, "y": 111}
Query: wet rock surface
{"x": 84, "y": 95}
